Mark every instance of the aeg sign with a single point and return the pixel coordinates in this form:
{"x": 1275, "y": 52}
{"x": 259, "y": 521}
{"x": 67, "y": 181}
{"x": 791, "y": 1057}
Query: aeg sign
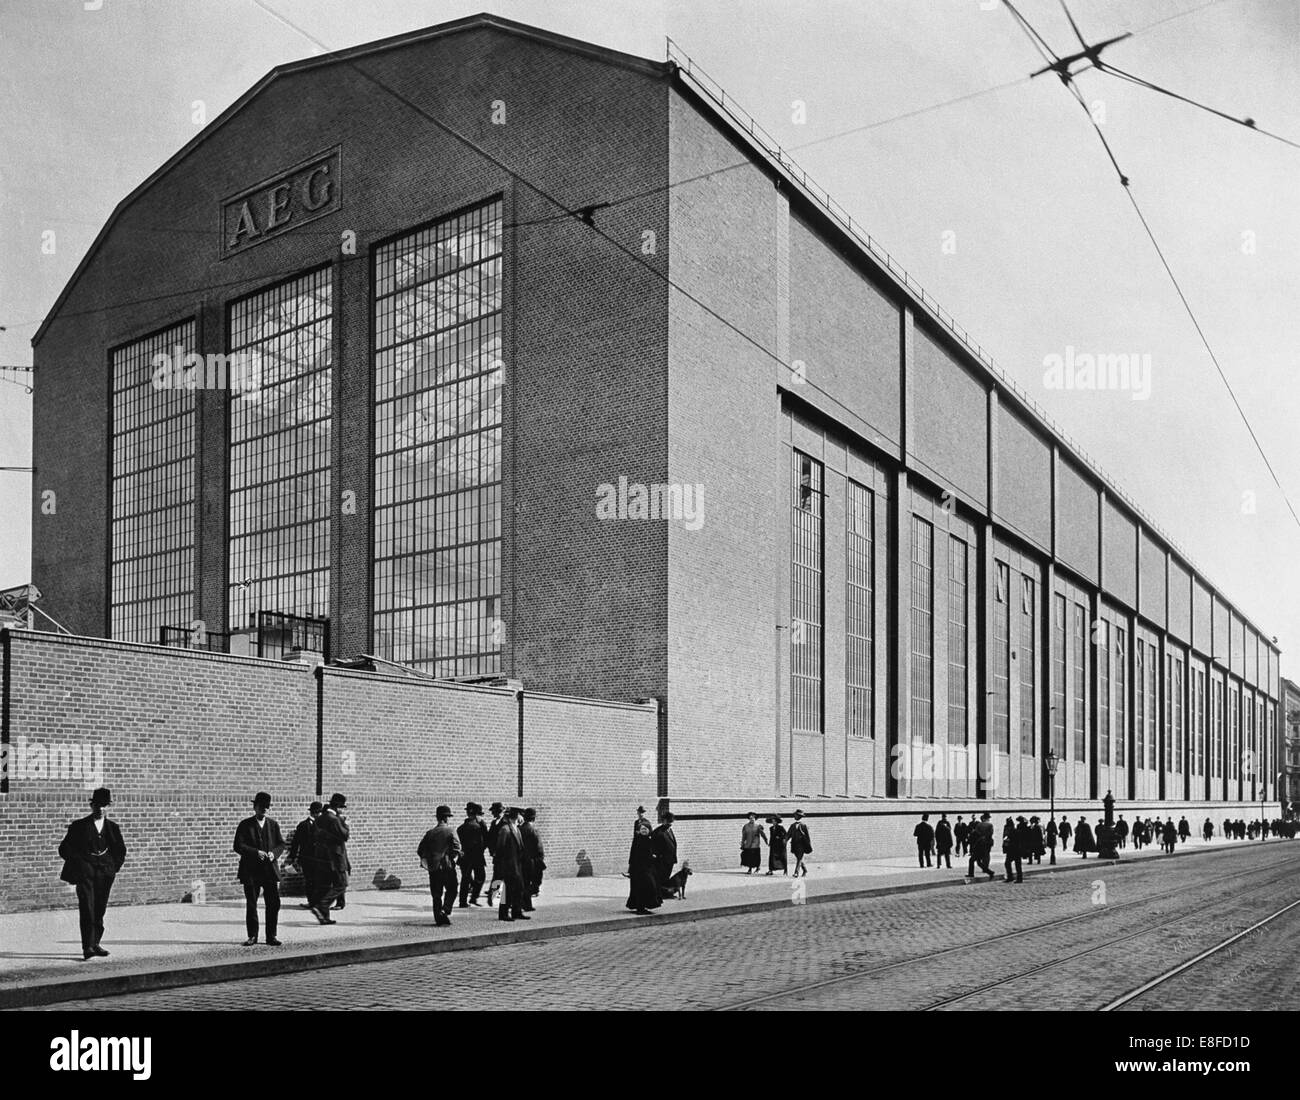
{"x": 309, "y": 190}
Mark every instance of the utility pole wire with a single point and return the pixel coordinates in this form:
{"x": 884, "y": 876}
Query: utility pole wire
{"x": 1067, "y": 79}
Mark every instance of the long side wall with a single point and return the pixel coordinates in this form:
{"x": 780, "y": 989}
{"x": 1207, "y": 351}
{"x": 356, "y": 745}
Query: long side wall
{"x": 792, "y": 344}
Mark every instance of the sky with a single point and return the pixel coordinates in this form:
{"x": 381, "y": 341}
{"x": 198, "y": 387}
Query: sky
{"x": 1003, "y": 205}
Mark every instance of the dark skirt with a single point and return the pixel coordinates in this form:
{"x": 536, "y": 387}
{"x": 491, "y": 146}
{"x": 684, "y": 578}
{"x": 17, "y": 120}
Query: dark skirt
{"x": 644, "y": 892}
{"x": 751, "y": 857}
{"x": 776, "y": 856}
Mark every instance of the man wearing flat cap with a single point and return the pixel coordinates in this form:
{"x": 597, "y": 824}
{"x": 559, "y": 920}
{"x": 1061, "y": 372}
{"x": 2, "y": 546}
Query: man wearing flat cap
{"x": 331, "y": 856}
{"x": 473, "y": 836}
{"x": 302, "y": 851}
{"x": 93, "y": 853}
{"x": 259, "y": 844}
{"x": 438, "y": 852}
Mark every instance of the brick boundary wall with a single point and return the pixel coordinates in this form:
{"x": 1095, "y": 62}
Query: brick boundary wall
{"x": 188, "y": 736}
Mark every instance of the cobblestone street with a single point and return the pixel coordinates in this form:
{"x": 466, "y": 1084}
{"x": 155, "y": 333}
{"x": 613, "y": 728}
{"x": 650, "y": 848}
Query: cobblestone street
{"x": 1067, "y": 941}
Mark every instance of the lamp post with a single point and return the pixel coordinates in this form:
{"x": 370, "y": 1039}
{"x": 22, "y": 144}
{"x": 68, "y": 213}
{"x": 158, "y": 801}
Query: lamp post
{"x": 1053, "y": 762}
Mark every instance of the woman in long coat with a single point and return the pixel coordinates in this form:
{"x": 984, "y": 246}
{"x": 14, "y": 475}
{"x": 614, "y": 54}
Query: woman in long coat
{"x": 1083, "y": 838}
{"x": 752, "y": 837}
{"x": 776, "y": 847}
{"x": 643, "y": 893}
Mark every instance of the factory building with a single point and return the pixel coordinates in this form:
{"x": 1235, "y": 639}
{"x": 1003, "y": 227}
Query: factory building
{"x": 494, "y": 354}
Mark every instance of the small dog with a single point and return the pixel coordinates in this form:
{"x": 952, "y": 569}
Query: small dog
{"x": 676, "y": 884}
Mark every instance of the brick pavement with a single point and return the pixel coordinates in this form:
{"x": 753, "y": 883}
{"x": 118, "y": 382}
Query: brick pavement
{"x": 709, "y": 963}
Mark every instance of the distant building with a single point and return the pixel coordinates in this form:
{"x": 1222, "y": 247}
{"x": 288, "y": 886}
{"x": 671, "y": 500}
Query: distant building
{"x": 1291, "y": 727}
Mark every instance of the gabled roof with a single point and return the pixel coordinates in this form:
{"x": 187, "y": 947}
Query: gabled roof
{"x": 347, "y": 56}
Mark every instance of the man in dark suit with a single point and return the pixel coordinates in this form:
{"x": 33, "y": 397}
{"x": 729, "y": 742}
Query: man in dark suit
{"x": 259, "y": 844}
{"x": 508, "y": 866}
{"x": 960, "y": 832}
{"x": 438, "y": 852}
{"x": 331, "y": 856}
{"x": 93, "y": 853}
{"x": 924, "y": 834}
{"x": 800, "y": 841}
{"x": 663, "y": 844}
{"x": 1017, "y": 845}
{"x": 981, "y": 845}
{"x": 534, "y": 864}
{"x": 302, "y": 852}
{"x": 498, "y": 821}
{"x": 473, "y": 836}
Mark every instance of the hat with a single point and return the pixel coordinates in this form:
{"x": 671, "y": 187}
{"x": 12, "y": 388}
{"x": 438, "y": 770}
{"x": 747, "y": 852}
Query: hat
{"x": 777, "y": 819}
{"x": 338, "y": 801}
{"x": 262, "y": 799}
{"x": 668, "y": 819}
{"x": 102, "y": 796}
{"x": 530, "y": 814}
{"x": 640, "y": 809}
{"x": 443, "y": 812}
{"x": 984, "y": 816}
{"x": 315, "y": 808}
{"x": 1022, "y": 820}
{"x": 473, "y": 808}
{"x": 798, "y": 813}
{"x": 496, "y": 807}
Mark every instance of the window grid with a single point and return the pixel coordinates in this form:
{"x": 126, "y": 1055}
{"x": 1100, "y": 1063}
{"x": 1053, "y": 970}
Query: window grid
{"x": 860, "y": 613}
{"x": 1140, "y": 699}
{"x": 806, "y": 597}
{"x": 1198, "y": 727}
{"x": 1079, "y": 656}
{"x": 1166, "y": 758}
{"x": 151, "y": 542}
{"x": 1216, "y": 729}
{"x": 1179, "y": 727}
{"x": 922, "y": 630}
{"x": 438, "y": 378}
{"x": 1103, "y": 692}
{"x": 1028, "y": 666}
{"x": 958, "y": 640}
{"x": 1234, "y": 744}
{"x": 1059, "y": 744}
{"x": 1000, "y": 711}
{"x": 280, "y": 450}
{"x": 1121, "y": 699}
{"x": 1153, "y": 689}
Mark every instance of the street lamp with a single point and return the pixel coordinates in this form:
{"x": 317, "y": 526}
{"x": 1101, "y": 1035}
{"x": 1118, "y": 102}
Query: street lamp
{"x": 1053, "y": 762}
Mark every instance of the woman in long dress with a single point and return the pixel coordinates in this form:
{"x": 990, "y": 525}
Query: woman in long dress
{"x": 776, "y": 847}
{"x": 643, "y": 892}
{"x": 752, "y": 838}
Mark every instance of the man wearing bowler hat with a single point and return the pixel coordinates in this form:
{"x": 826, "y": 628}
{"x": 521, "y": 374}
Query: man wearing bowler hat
{"x": 495, "y": 886}
{"x": 473, "y": 836}
{"x": 438, "y": 852}
{"x": 93, "y": 853}
{"x": 259, "y": 844}
{"x": 302, "y": 852}
{"x": 800, "y": 842}
{"x": 331, "y": 856}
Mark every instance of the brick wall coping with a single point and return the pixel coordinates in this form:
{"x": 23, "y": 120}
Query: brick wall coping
{"x": 86, "y": 642}
{"x": 420, "y": 681}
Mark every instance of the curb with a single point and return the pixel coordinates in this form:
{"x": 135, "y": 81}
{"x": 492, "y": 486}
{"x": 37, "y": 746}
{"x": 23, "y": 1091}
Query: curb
{"x": 52, "y": 991}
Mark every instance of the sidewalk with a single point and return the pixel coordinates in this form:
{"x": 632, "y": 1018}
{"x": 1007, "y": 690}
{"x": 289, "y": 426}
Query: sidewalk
{"x": 168, "y": 945}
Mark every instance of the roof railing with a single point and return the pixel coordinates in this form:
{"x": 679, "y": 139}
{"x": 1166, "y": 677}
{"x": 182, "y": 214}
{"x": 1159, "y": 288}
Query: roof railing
{"x": 774, "y": 152}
